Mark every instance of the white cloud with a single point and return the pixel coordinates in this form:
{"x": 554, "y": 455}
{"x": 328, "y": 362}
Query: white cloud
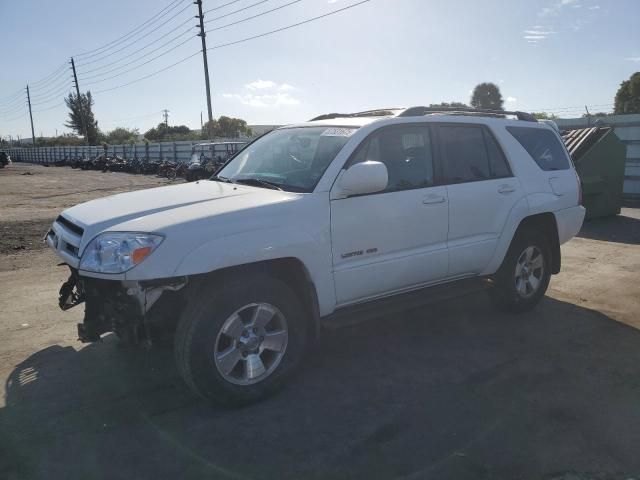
{"x": 594, "y": 7}
{"x": 267, "y": 100}
{"x": 555, "y": 8}
{"x": 260, "y": 84}
{"x": 511, "y": 99}
{"x": 633, "y": 59}
{"x": 265, "y": 93}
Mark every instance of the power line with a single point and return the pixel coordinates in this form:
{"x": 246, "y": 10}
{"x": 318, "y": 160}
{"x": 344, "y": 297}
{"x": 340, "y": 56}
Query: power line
{"x": 13, "y": 109}
{"x": 14, "y": 97}
{"x": 50, "y": 108}
{"x": 221, "y": 6}
{"x": 222, "y": 45}
{"x": 14, "y": 119}
{"x": 150, "y": 75}
{"x": 141, "y": 65}
{"x": 237, "y": 11}
{"x": 134, "y": 41}
{"x": 53, "y": 90}
{"x": 140, "y": 49}
{"x": 55, "y": 79}
{"x": 48, "y": 77}
{"x": 52, "y": 99}
{"x": 104, "y": 47}
{"x": 252, "y": 17}
{"x": 98, "y": 75}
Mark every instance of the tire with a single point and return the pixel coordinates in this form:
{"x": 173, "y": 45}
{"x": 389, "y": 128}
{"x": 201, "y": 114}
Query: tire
{"x": 207, "y": 329}
{"x": 523, "y": 277}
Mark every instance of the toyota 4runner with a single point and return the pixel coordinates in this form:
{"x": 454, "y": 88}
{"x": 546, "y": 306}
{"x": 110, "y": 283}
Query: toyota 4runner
{"x": 322, "y": 222}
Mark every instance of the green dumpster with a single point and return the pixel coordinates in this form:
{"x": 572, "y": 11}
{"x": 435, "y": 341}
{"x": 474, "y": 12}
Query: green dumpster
{"x": 599, "y": 157}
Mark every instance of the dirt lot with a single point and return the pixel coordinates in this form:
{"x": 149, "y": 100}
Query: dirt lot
{"x": 449, "y": 391}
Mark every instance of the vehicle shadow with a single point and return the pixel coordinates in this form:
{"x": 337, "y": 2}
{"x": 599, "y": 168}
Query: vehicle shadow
{"x": 619, "y": 228}
{"x": 452, "y": 390}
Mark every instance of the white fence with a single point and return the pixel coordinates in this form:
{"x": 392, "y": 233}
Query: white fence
{"x": 176, "y": 151}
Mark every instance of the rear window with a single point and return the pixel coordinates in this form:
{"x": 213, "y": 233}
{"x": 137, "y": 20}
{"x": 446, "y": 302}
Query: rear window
{"x": 544, "y": 147}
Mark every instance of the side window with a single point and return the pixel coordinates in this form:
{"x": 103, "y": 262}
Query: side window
{"x": 497, "y": 161}
{"x": 406, "y": 152}
{"x": 464, "y": 156}
{"x": 543, "y": 146}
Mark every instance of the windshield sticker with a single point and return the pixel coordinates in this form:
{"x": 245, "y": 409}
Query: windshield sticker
{"x": 338, "y": 132}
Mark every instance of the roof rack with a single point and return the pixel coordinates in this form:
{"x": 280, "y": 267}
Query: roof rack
{"x": 481, "y": 112}
{"x": 379, "y": 112}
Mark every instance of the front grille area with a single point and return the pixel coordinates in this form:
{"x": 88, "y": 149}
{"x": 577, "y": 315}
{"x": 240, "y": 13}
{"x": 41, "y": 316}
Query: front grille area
{"x": 69, "y": 225}
{"x": 72, "y": 250}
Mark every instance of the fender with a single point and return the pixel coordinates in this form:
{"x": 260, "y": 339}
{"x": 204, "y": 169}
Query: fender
{"x": 519, "y": 211}
{"x": 527, "y": 206}
{"x": 255, "y": 246}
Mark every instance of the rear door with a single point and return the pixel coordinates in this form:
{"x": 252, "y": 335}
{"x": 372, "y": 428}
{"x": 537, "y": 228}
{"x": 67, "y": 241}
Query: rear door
{"x": 481, "y": 190}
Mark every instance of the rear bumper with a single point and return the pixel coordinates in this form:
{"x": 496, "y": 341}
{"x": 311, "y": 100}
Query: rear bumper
{"x": 569, "y": 222}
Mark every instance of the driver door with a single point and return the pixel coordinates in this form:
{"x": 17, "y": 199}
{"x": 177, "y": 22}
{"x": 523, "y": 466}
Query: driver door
{"x": 396, "y": 239}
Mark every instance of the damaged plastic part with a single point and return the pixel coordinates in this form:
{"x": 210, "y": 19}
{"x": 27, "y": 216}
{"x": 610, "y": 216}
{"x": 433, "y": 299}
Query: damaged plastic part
{"x": 71, "y": 293}
{"x": 122, "y": 307}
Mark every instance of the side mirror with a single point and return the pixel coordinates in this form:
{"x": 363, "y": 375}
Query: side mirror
{"x": 365, "y": 177}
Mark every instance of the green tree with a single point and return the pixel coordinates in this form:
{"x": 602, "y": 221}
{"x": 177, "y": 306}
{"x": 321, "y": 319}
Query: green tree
{"x": 449, "y": 105}
{"x": 121, "y": 135}
{"x": 228, "y": 127}
{"x": 628, "y": 96}
{"x": 487, "y": 95}
{"x": 81, "y": 109}
{"x": 232, "y": 127}
{"x": 544, "y": 116}
{"x": 166, "y": 133}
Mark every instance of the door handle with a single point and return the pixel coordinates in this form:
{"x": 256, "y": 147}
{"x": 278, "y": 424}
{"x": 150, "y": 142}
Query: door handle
{"x": 506, "y": 189}
{"x": 433, "y": 199}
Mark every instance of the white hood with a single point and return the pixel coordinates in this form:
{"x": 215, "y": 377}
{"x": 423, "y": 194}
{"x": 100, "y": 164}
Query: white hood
{"x": 169, "y": 209}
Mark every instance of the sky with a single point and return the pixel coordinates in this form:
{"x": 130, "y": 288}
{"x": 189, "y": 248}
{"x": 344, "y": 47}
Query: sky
{"x": 545, "y": 55}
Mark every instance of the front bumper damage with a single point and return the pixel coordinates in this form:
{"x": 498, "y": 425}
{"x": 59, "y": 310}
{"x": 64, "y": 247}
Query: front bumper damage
{"x": 134, "y": 310}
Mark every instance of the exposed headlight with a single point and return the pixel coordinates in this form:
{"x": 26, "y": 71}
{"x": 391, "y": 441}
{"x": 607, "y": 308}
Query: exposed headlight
{"x": 118, "y": 252}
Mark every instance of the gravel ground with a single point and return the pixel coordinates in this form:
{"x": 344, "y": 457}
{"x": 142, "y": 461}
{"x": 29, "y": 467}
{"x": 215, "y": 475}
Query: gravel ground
{"x": 454, "y": 390}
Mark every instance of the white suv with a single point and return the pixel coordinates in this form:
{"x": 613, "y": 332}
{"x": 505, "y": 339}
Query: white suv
{"x": 322, "y": 222}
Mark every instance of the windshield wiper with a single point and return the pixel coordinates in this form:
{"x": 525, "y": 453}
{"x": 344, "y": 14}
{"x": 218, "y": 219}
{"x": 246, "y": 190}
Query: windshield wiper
{"x": 259, "y": 183}
{"x": 218, "y": 178}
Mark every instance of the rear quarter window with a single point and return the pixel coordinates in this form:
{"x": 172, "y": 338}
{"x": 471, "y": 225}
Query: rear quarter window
{"x": 543, "y": 146}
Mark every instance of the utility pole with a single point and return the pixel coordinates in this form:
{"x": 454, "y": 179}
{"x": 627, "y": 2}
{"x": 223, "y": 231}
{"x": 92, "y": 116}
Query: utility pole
{"x": 206, "y": 64}
{"x": 201, "y": 124}
{"x": 165, "y": 114}
{"x": 33, "y": 135}
{"x": 79, "y": 99}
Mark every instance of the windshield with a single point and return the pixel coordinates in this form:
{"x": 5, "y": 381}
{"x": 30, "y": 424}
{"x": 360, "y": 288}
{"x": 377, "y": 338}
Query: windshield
{"x": 294, "y": 159}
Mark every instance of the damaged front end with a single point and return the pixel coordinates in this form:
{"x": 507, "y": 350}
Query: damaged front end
{"x": 136, "y": 311}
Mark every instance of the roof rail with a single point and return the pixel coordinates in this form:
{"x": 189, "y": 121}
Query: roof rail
{"x": 482, "y": 112}
{"x": 379, "y": 112}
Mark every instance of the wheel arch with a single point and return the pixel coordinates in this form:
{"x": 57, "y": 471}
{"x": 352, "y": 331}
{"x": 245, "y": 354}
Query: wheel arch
{"x": 522, "y": 217}
{"x": 289, "y": 270}
{"x": 545, "y": 222}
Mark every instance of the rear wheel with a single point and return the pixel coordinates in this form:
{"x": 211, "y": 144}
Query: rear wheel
{"x": 524, "y": 275}
{"x": 237, "y": 343}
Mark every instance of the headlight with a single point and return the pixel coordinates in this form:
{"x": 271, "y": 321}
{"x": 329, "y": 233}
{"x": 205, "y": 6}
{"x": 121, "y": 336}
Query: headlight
{"x": 118, "y": 252}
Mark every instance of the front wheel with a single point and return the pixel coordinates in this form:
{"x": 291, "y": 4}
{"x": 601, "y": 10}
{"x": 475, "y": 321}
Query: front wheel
{"x": 239, "y": 342}
{"x": 525, "y": 273}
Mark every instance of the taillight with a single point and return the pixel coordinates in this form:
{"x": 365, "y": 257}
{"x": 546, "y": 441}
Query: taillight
{"x": 579, "y": 189}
